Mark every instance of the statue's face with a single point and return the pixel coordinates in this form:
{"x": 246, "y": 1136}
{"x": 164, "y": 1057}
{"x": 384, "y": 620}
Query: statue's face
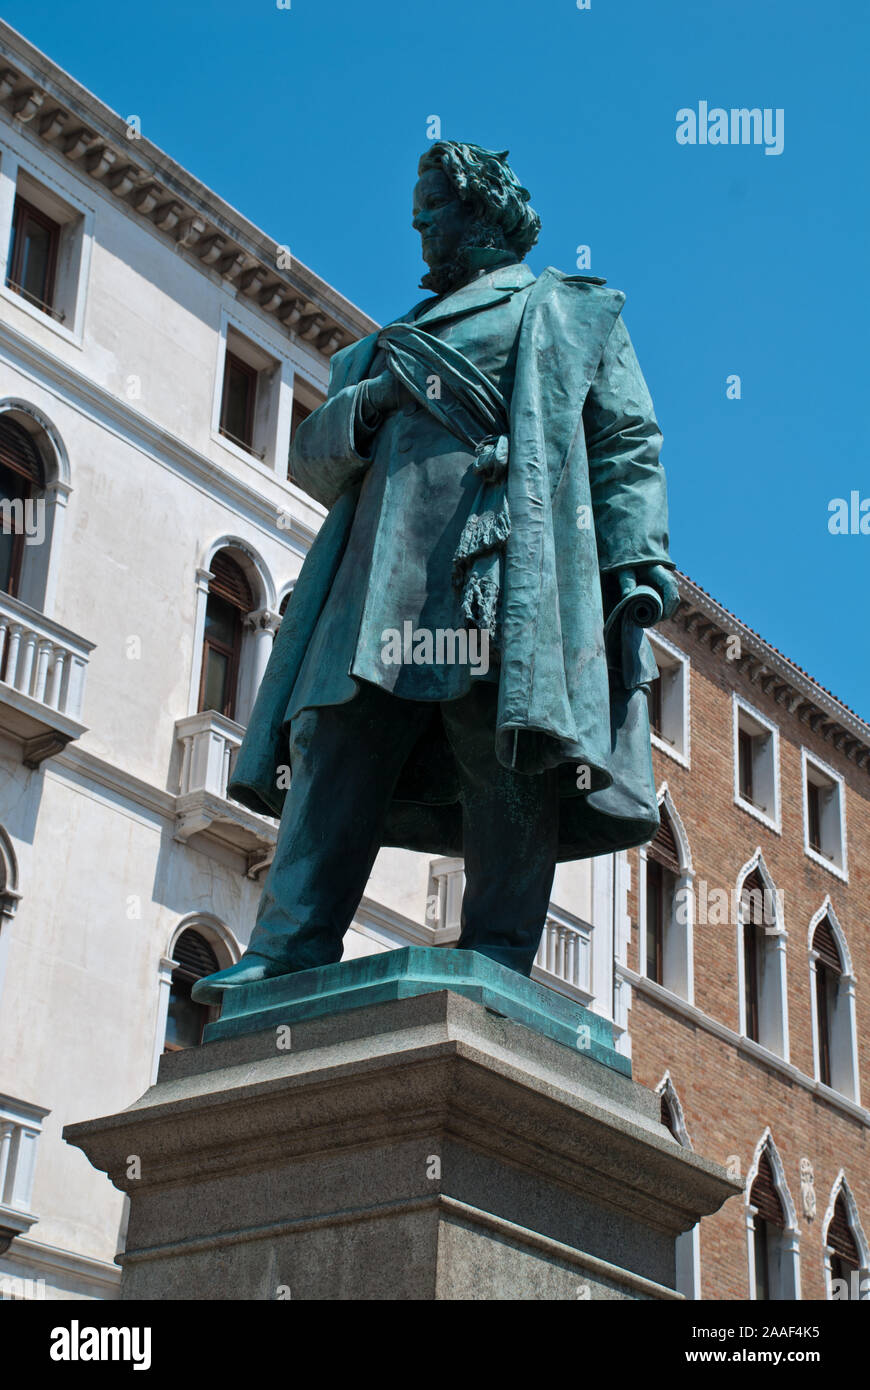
{"x": 440, "y": 216}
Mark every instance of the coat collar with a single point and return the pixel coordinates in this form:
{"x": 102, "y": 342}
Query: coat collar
{"x": 350, "y": 364}
{"x": 479, "y": 293}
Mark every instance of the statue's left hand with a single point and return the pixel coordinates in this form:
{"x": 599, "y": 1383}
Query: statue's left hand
{"x": 657, "y": 577}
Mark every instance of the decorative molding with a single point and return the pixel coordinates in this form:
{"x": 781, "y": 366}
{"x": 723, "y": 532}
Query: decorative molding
{"x": 132, "y": 426}
{"x": 76, "y": 126}
{"x": 778, "y": 1169}
{"x": 703, "y": 618}
{"x": 754, "y": 1051}
{"x": 841, "y": 1185}
{"x": 667, "y": 1089}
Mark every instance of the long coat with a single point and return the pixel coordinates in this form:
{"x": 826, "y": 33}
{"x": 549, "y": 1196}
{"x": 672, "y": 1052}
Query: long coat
{"x": 587, "y": 497}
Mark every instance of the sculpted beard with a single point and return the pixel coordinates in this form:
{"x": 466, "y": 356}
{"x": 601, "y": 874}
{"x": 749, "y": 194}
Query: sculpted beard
{"x": 481, "y": 235}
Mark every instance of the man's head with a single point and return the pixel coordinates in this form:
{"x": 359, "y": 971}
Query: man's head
{"x": 468, "y": 199}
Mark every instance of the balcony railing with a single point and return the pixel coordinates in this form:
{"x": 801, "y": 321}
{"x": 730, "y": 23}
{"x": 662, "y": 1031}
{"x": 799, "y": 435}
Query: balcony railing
{"x": 20, "y": 1127}
{"x": 208, "y": 746}
{"x": 42, "y": 680}
{"x": 565, "y": 953}
{"x": 564, "y": 958}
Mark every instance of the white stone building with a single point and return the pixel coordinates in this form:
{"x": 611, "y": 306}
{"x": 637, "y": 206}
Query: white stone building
{"x": 155, "y": 350}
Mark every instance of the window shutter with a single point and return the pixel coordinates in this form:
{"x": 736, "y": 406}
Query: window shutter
{"x": 18, "y": 451}
{"x": 754, "y": 906}
{"x": 840, "y": 1237}
{"x": 229, "y": 583}
{"x": 194, "y": 955}
{"x": 764, "y": 1196}
{"x": 663, "y": 846}
{"x": 825, "y": 943}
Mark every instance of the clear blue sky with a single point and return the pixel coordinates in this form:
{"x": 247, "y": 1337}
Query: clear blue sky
{"x": 310, "y": 120}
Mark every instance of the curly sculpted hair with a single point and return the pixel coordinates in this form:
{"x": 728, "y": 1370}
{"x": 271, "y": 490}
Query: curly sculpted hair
{"x": 485, "y": 180}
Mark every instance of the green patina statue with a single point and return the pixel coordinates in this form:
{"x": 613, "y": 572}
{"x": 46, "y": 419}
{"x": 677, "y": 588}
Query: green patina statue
{"x": 462, "y": 667}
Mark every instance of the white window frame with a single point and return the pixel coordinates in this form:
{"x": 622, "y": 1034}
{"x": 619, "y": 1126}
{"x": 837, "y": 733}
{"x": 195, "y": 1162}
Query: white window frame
{"x": 687, "y": 1251}
{"x": 272, "y": 433}
{"x": 791, "y": 1265}
{"x": 226, "y": 948}
{"x": 808, "y": 759}
{"x": 683, "y": 949}
{"x": 678, "y": 660}
{"x": 773, "y": 822}
{"x": 842, "y": 1185}
{"x": 13, "y": 164}
{"x": 260, "y": 624}
{"x": 773, "y": 1004}
{"x": 846, "y": 1024}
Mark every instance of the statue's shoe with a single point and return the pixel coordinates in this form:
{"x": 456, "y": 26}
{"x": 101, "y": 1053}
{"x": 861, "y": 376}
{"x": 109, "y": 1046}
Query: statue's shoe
{"x": 247, "y": 971}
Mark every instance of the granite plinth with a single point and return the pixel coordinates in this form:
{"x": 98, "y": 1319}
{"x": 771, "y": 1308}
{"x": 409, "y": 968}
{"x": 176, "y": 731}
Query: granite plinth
{"x": 419, "y": 1148}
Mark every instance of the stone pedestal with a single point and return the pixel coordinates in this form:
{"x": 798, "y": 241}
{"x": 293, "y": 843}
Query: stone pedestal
{"x": 401, "y": 1135}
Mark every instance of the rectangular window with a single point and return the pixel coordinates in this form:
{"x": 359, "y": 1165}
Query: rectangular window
{"x": 814, "y": 816}
{"x": 824, "y": 815}
{"x": 305, "y": 400}
{"x": 668, "y": 700}
{"x": 239, "y": 398}
{"x": 251, "y": 405}
{"x": 33, "y": 256}
{"x": 756, "y": 764}
{"x": 654, "y": 700}
{"x": 744, "y": 753}
{"x": 49, "y": 252}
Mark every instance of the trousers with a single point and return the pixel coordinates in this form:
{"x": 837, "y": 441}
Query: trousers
{"x": 345, "y": 761}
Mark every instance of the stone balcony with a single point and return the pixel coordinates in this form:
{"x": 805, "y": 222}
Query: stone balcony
{"x": 42, "y": 680}
{"x": 20, "y": 1128}
{"x": 208, "y": 747}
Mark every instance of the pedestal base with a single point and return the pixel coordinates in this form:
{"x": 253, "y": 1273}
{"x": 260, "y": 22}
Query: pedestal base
{"x": 417, "y": 1148}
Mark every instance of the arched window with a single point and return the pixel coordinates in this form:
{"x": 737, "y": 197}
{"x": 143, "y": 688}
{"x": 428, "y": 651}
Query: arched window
{"x": 186, "y": 1020}
{"x": 666, "y": 1116}
{"x": 662, "y": 872}
{"x": 230, "y": 600}
{"x": 768, "y": 1227}
{"x": 761, "y": 968}
{"x": 687, "y": 1250}
{"x": 847, "y": 1259}
{"x": 666, "y": 904}
{"x": 832, "y": 990}
{"x": 774, "y": 1272}
{"x": 22, "y": 480}
{"x": 828, "y": 971}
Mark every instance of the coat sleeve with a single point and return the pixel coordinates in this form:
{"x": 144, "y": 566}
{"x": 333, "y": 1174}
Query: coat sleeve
{"x": 330, "y": 451}
{"x": 627, "y": 481}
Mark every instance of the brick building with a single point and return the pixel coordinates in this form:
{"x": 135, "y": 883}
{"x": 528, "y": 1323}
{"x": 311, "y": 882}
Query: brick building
{"x": 749, "y": 964}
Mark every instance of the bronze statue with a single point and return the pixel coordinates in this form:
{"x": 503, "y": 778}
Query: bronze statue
{"x": 462, "y": 668}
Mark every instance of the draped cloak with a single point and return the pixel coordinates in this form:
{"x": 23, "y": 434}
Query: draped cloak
{"x": 586, "y": 495}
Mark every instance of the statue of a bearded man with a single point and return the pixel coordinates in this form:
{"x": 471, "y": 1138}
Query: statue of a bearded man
{"x": 463, "y": 665}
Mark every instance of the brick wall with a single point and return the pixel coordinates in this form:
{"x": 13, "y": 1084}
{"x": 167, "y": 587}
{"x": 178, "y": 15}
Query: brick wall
{"x": 729, "y": 1094}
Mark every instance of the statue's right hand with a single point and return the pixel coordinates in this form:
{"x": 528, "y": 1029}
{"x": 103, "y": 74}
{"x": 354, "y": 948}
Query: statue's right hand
{"x": 383, "y": 393}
